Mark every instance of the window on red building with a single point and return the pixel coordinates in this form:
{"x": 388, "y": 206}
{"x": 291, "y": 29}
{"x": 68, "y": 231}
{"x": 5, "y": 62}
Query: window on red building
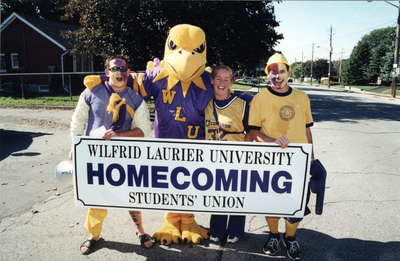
{"x": 3, "y": 62}
{"x": 14, "y": 61}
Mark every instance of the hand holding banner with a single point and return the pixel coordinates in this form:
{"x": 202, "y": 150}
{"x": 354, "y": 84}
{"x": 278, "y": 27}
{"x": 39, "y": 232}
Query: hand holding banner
{"x": 192, "y": 176}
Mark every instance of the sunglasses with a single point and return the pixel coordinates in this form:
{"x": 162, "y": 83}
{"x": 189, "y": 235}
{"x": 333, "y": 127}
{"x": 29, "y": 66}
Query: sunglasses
{"x": 118, "y": 69}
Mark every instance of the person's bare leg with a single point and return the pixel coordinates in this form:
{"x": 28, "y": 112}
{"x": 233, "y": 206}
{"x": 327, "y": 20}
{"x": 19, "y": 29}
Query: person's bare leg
{"x": 137, "y": 219}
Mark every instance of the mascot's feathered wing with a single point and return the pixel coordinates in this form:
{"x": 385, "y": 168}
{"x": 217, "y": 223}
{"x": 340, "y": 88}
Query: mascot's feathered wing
{"x": 181, "y": 90}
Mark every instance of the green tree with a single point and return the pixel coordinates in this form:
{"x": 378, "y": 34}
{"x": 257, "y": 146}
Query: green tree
{"x": 229, "y": 35}
{"x": 307, "y": 68}
{"x": 336, "y": 68}
{"x": 46, "y": 9}
{"x": 297, "y": 70}
{"x": 138, "y": 28}
{"x": 376, "y": 61}
{"x": 387, "y": 67}
{"x": 366, "y": 59}
{"x": 320, "y": 69}
{"x": 107, "y": 27}
{"x": 357, "y": 65}
{"x": 345, "y": 77}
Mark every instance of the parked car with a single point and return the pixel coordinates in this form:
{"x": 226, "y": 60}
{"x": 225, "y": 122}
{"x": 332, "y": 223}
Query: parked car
{"x": 249, "y": 80}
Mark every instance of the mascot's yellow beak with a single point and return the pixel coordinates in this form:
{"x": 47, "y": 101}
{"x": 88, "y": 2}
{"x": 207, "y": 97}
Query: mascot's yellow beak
{"x": 184, "y": 56}
{"x": 185, "y": 51}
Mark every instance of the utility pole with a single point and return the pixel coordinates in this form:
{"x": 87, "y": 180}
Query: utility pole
{"x": 340, "y": 66}
{"x": 302, "y": 71}
{"x": 396, "y": 55}
{"x": 312, "y": 58}
{"x": 330, "y": 59}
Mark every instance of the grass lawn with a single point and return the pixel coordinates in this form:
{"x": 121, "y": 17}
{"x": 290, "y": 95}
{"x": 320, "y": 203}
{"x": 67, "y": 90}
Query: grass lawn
{"x": 66, "y": 101}
{"x": 39, "y": 101}
{"x": 365, "y": 87}
{"x": 361, "y": 87}
{"x": 390, "y": 92}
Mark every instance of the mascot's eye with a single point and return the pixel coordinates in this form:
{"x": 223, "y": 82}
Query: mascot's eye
{"x": 201, "y": 48}
{"x": 171, "y": 45}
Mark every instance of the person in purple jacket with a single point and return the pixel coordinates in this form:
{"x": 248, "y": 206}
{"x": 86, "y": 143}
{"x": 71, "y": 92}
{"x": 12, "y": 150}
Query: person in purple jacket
{"x": 110, "y": 109}
{"x": 181, "y": 89}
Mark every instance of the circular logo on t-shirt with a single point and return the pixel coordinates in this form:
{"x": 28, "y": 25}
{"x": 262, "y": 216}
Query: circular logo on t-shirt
{"x": 287, "y": 113}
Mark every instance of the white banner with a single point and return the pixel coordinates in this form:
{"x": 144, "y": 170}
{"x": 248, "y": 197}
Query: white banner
{"x": 192, "y": 176}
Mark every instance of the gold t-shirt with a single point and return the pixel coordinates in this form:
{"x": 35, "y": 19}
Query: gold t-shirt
{"x": 287, "y": 114}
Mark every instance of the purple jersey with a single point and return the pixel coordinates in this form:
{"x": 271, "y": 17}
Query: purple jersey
{"x": 97, "y": 99}
{"x": 177, "y": 116}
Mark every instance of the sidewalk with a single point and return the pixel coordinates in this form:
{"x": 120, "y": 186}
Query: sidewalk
{"x": 375, "y": 92}
{"x": 56, "y": 231}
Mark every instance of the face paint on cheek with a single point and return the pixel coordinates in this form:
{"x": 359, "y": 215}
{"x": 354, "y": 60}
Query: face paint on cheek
{"x": 278, "y": 75}
{"x": 124, "y": 75}
{"x": 272, "y": 76}
{"x": 275, "y": 81}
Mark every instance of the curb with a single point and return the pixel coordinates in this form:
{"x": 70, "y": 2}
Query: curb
{"x": 43, "y": 107}
{"x": 39, "y": 107}
{"x": 356, "y": 90}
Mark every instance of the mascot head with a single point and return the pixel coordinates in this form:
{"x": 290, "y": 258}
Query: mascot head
{"x": 184, "y": 56}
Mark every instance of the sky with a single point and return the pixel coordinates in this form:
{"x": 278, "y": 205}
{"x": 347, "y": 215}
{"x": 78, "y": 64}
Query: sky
{"x": 303, "y": 23}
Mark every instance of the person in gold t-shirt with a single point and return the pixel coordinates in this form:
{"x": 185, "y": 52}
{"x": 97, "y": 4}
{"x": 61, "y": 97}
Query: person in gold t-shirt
{"x": 280, "y": 114}
{"x": 226, "y": 117}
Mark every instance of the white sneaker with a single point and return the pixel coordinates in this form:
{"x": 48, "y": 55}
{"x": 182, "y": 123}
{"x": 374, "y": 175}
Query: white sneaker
{"x": 215, "y": 239}
{"x": 232, "y": 240}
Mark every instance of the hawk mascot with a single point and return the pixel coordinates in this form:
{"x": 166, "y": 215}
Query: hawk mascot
{"x": 181, "y": 90}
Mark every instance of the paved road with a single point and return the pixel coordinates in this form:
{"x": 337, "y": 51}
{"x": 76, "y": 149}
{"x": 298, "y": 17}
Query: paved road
{"x": 356, "y": 136}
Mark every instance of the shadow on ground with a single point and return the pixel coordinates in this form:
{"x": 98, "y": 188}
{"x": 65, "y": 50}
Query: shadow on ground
{"x": 176, "y": 252}
{"x": 13, "y": 141}
{"x": 349, "y": 108}
{"x": 342, "y": 108}
{"x": 316, "y": 246}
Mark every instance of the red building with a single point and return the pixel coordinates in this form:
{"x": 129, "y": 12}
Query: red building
{"x": 34, "y": 45}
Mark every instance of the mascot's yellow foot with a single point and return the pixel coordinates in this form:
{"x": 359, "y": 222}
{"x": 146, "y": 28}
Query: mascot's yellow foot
{"x": 169, "y": 231}
{"x": 191, "y": 231}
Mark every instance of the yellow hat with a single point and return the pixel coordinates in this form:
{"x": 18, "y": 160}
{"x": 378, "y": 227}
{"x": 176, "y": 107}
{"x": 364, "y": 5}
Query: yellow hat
{"x": 277, "y": 58}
